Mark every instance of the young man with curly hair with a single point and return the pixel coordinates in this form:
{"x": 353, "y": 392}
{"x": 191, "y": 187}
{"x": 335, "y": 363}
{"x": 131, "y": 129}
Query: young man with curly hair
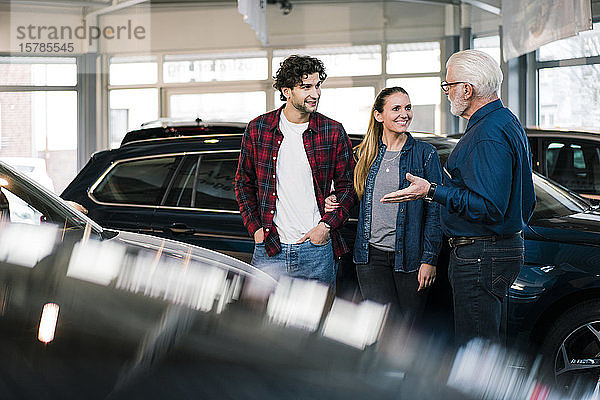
{"x": 288, "y": 161}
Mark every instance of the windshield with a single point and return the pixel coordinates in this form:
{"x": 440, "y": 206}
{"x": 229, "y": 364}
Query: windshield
{"x": 24, "y": 201}
{"x": 555, "y": 201}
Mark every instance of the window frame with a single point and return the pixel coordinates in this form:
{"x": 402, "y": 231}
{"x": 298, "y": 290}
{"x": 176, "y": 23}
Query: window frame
{"x": 266, "y": 85}
{"x": 539, "y": 65}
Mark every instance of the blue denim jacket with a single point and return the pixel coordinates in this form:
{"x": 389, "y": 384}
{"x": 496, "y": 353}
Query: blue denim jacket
{"x": 418, "y": 234}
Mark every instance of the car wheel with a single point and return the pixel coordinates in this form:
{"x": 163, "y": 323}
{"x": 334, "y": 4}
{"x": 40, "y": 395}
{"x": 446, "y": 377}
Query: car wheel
{"x": 572, "y": 347}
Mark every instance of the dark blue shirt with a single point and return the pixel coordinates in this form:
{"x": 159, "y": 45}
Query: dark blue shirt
{"x": 488, "y": 185}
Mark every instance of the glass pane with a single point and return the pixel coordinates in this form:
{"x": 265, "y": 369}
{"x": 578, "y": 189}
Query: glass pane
{"x": 38, "y": 135}
{"x": 568, "y": 166}
{"x": 133, "y": 70}
{"x": 215, "y": 67}
{"x": 586, "y": 44}
{"x": 38, "y": 71}
{"x": 233, "y": 107}
{"x": 19, "y": 211}
{"x": 489, "y": 45}
{"x": 576, "y": 166}
{"x": 180, "y": 194}
{"x": 570, "y": 97}
{"x": 552, "y": 151}
{"x": 406, "y": 58}
{"x": 136, "y": 182}
{"x": 424, "y": 95}
{"x": 129, "y": 108}
{"x": 350, "y": 106}
{"x": 553, "y": 201}
{"x": 339, "y": 61}
{"x": 214, "y": 189}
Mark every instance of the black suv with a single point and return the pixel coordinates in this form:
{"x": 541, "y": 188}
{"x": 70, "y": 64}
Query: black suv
{"x": 180, "y": 186}
{"x": 169, "y": 180}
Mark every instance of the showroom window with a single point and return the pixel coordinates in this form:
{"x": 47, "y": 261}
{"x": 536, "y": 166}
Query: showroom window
{"x": 489, "y": 45}
{"x": 133, "y": 70}
{"x": 182, "y": 68}
{"x": 406, "y": 58}
{"x": 425, "y": 99}
{"x": 236, "y": 86}
{"x": 38, "y": 71}
{"x": 339, "y": 61}
{"x": 236, "y": 107}
{"x": 129, "y": 108}
{"x": 569, "y": 82}
{"x": 38, "y": 118}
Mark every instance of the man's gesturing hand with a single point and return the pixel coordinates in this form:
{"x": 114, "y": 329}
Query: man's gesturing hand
{"x": 417, "y": 190}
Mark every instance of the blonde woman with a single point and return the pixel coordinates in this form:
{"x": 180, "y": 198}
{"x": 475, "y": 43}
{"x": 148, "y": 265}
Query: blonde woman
{"x": 397, "y": 245}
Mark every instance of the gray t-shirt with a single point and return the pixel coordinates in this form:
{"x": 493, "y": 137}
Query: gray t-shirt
{"x": 383, "y": 216}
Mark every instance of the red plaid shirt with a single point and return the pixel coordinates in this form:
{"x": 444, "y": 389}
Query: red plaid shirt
{"x": 329, "y": 153}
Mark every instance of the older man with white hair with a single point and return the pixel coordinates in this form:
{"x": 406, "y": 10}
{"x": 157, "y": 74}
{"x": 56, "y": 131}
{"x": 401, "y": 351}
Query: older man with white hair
{"x": 487, "y": 196}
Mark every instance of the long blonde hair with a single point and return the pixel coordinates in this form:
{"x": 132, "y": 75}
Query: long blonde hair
{"x": 366, "y": 151}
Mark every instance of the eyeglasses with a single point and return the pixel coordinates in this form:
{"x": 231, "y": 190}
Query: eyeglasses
{"x": 446, "y": 85}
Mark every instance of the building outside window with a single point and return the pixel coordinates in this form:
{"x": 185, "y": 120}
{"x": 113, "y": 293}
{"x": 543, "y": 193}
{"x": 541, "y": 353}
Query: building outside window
{"x": 569, "y": 82}
{"x": 38, "y": 117}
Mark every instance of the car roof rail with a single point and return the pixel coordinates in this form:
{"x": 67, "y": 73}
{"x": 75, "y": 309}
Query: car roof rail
{"x": 169, "y": 130}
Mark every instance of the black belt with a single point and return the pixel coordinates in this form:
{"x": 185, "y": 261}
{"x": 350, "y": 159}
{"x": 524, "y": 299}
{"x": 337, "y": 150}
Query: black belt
{"x": 466, "y": 240}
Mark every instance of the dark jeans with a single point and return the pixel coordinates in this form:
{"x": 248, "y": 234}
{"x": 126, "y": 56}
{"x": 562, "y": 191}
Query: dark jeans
{"x": 481, "y": 274}
{"x": 379, "y": 282}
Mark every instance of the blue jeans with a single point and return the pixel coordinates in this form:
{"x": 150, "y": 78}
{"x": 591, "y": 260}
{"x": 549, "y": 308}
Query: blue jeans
{"x": 481, "y": 274}
{"x": 304, "y": 260}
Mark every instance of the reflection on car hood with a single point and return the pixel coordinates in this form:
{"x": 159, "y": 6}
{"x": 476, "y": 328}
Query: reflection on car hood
{"x": 179, "y": 250}
{"x": 581, "y": 228}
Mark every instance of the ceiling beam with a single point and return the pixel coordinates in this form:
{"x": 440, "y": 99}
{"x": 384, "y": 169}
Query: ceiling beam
{"x": 116, "y": 6}
{"x": 484, "y": 6}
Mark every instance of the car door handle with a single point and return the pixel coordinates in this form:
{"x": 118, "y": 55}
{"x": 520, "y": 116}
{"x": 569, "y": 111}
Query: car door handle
{"x": 178, "y": 228}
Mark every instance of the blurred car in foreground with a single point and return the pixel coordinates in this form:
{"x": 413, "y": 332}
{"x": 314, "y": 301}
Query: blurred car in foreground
{"x": 92, "y": 313}
{"x": 87, "y": 312}
{"x": 181, "y": 188}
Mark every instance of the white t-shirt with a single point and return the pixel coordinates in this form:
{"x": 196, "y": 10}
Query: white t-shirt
{"x": 296, "y": 206}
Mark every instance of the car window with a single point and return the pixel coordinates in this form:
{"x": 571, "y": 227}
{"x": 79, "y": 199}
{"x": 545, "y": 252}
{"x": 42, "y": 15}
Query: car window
{"x": 182, "y": 187}
{"x": 23, "y": 203}
{"x": 18, "y": 210}
{"x": 141, "y": 182}
{"x": 574, "y": 165}
{"x": 214, "y": 187}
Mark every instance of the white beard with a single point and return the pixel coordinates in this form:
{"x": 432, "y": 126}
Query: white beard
{"x": 458, "y": 106}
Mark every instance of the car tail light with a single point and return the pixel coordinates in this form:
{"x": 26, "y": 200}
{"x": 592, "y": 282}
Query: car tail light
{"x": 48, "y": 322}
